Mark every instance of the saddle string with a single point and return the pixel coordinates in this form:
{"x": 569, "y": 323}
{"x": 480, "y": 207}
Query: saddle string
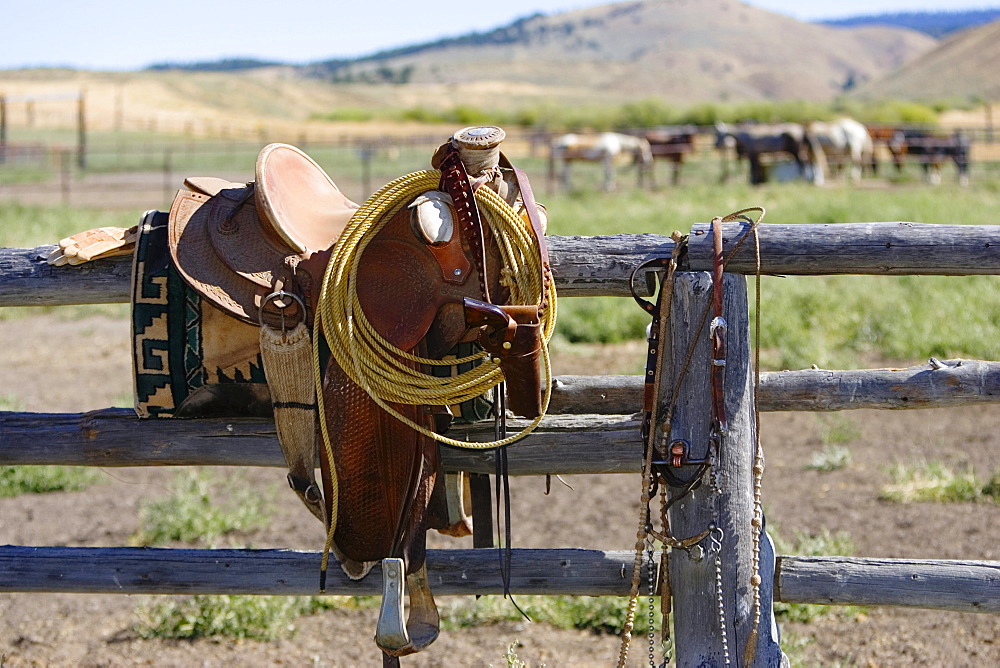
{"x": 757, "y": 523}
{"x": 502, "y": 488}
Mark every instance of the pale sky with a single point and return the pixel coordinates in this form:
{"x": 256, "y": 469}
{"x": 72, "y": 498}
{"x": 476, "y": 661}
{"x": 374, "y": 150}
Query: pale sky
{"x": 123, "y": 35}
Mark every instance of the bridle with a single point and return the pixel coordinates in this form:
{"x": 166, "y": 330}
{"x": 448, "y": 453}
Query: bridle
{"x": 662, "y": 464}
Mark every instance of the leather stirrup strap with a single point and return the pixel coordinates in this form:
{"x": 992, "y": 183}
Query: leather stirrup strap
{"x": 482, "y": 510}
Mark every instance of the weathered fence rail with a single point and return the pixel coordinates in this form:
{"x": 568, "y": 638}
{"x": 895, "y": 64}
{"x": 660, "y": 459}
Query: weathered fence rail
{"x": 961, "y": 586}
{"x": 602, "y": 265}
{"x": 592, "y": 429}
{"x": 114, "y": 437}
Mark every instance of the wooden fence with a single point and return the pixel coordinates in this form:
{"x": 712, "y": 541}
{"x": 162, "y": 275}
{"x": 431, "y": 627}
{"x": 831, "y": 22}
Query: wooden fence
{"x": 591, "y": 429}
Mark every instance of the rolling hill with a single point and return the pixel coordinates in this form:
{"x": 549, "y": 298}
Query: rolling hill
{"x": 684, "y": 50}
{"x": 966, "y": 66}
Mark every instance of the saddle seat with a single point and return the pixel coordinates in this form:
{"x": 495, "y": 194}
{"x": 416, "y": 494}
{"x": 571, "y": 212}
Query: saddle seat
{"x": 299, "y": 200}
{"x": 236, "y": 254}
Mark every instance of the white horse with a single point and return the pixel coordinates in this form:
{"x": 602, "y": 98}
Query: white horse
{"x": 607, "y": 148}
{"x": 844, "y": 141}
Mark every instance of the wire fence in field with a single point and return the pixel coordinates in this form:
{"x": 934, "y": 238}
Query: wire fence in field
{"x": 135, "y": 172}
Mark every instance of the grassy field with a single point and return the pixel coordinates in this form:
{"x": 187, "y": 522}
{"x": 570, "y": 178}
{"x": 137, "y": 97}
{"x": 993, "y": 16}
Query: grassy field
{"x": 833, "y": 322}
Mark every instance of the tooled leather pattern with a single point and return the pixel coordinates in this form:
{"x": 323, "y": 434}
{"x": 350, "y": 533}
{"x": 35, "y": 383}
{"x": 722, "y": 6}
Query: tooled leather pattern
{"x": 383, "y": 473}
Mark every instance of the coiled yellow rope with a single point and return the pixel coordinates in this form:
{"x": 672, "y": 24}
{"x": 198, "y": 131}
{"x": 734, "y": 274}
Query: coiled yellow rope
{"x": 385, "y": 372}
{"x": 379, "y": 367}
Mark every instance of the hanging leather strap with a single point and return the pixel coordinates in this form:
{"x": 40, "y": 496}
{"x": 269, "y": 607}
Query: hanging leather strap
{"x": 717, "y": 332}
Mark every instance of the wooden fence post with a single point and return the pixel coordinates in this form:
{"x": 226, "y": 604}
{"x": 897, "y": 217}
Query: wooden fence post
{"x": 168, "y": 175}
{"x": 81, "y": 133}
{"x": 3, "y": 128}
{"x": 712, "y": 628}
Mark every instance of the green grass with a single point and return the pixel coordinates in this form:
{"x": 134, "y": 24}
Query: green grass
{"x": 198, "y": 511}
{"x": 936, "y": 482}
{"x": 249, "y": 617}
{"x": 17, "y": 480}
{"x": 600, "y": 614}
{"x": 830, "y": 321}
{"x": 27, "y": 226}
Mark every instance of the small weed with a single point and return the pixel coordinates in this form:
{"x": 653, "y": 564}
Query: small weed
{"x": 254, "y": 617}
{"x": 830, "y": 458}
{"x": 931, "y": 481}
{"x": 190, "y": 513}
{"x": 992, "y": 487}
{"x": 17, "y": 480}
{"x": 510, "y": 656}
{"x": 10, "y": 402}
{"x": 837, "y": 429}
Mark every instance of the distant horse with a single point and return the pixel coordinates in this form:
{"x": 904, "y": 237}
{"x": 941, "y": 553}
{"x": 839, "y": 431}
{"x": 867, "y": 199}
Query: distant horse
{"x": 672, "y": 144}
{"x": 932, "y": 150}
{"x": 754, "y": 142}
{"x": 844, "y": 141}
{"x": 886, "y": 135}
{"x": 607, "y": 148}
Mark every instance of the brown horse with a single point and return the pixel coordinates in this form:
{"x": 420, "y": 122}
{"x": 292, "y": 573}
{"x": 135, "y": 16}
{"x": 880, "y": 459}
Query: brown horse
{"x": 887, "y": 136}
{"x": 672, "y": 144}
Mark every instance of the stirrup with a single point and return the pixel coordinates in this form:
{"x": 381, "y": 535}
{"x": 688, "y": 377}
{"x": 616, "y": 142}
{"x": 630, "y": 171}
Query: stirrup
{"x": 394, "y": 636}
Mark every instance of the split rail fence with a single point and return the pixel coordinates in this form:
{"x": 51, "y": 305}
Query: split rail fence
{"x": 592, "y": 428}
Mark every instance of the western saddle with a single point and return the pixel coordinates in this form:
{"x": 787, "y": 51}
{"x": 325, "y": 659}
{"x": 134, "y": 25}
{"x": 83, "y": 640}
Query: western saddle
{"x": 432, "y": 272}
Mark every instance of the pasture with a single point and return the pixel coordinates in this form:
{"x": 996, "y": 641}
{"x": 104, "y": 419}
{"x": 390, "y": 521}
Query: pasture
{"x": 832, "y": 322}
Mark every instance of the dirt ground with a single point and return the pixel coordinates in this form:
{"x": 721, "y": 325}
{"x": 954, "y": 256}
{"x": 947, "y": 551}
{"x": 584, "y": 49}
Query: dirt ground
{"x": 49, "y": 364}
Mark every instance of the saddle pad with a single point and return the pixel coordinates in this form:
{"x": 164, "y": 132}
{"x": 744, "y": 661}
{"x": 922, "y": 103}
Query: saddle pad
{"x": 189, "y": 358}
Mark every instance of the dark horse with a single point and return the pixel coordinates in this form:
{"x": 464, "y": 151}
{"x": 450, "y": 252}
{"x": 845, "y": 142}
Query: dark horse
{"x": 673, "y": 144}
{"x": 932, "y": 150}
{"x": 753, "y": 142}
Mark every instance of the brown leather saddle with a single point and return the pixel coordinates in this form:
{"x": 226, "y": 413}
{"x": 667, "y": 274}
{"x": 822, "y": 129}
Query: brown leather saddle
{"x": 431, "y": 278}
